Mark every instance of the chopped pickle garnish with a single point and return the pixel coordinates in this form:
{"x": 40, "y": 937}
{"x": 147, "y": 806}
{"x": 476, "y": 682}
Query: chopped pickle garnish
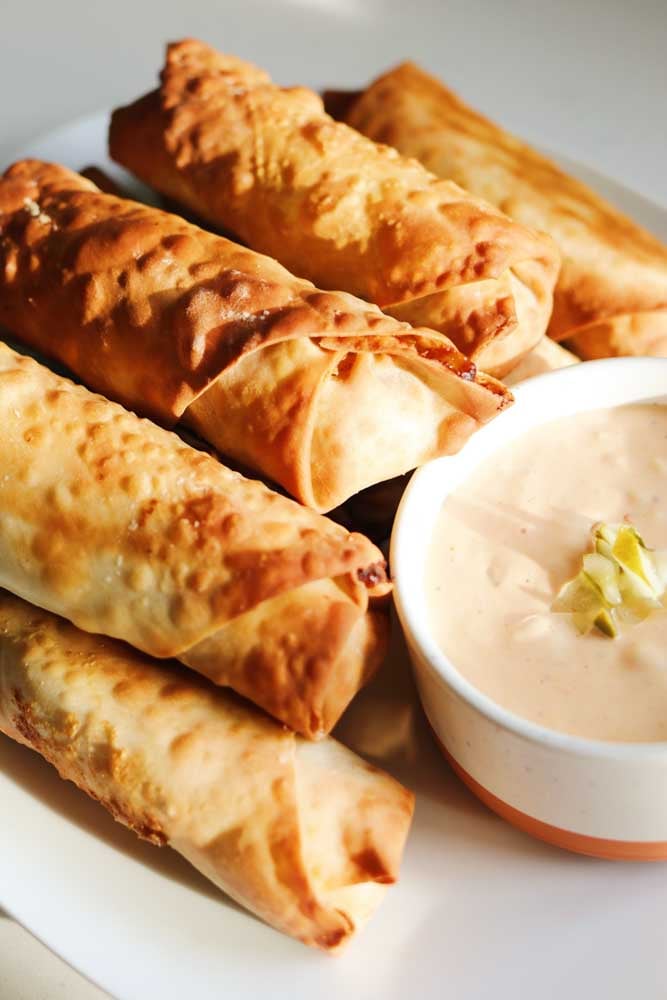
{"x": 621, "y": 580}
{"x": 605, "y": 576}
{"x": 604, "y": 622}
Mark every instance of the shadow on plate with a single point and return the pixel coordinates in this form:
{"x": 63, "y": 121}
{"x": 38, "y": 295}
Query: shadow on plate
{"x": 387, "y": 725}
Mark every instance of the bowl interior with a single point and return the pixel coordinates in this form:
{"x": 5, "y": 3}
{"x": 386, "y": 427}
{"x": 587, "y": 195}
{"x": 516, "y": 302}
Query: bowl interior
{"x": 588, "y": 386}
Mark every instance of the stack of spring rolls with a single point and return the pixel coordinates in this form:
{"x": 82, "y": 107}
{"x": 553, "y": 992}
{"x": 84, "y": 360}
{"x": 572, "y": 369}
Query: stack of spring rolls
{"x": 115, "y": 524}
{"x": 611, "y": 294}
{"x": 270, "y": 165}
{"x": 316, "y": 390}
{"x": 175, "y": 638}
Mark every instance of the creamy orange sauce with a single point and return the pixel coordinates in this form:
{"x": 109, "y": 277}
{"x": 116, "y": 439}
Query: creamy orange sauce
{"x": 513, "y": 533}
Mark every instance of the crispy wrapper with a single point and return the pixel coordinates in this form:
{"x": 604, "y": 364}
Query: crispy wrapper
{"x": 546, "y": 357}
{"x": 306, "y": 835}
{"x": 120, "y": 527}
{"x": 611, "y": 296}
{"x": 270, "y": 165}
{"x": 374, "y": 510}
{"x": 316, "y": 390}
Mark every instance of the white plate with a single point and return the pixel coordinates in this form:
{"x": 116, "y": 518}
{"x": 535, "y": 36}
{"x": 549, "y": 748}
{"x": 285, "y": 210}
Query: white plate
{"x": 481, "y": 910}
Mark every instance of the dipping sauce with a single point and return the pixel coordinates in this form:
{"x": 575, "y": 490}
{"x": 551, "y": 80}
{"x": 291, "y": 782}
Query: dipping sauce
{"x": 507, "y": 540}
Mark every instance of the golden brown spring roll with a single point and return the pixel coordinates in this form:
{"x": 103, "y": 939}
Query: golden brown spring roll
{"x": 546, "y": 357}
{"x": 120, "y": 527}
{"x": 316, "y": 390}
{"x": 306, "y": 835}
{"x": 271, "y": 166}
{"x": 611, "y": 296}
{"x": 373, "y": 511}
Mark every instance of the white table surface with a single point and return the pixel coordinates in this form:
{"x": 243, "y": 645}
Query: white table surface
{"x": 586, "y": 78}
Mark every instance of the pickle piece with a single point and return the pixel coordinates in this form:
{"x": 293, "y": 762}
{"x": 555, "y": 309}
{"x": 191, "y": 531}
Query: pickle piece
{"x": 578, "y": 595}
{"x": 604, "y": 622}
{"x": 604, "y": 536}
{"x": 621, "y": 580}
{"x": 583, "y": 599}
{"x": 634, "y": 559}
{"x": 605, "y": 575}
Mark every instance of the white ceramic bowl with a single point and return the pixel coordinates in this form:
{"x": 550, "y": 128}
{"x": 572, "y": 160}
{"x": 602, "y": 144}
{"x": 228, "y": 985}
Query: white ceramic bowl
{"x": 602, "y": 798}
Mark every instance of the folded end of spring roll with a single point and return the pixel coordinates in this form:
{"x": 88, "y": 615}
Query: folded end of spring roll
{"x": 614, "y": 272}
{"x": 639, "y": 334}
{"x": 336, "y": 208}
{"x": 319, "y": 391}
{"x": 119, "y": 526}
{"x": 546, "y": 357}
{"x": 307, "y": 836}
{"x": 302, "y": 655}
{"x": 327, "y": 421}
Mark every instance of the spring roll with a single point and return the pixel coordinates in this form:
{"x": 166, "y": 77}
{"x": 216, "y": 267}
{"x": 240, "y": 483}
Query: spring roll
{"x": 318, "y": 391}
{"x": 546, "y": 357}
{"x": 272, "y": 167}
{"x": 611, "y": 296}
{"x": 306, "y": 835}
{"x": 119, "y": 526}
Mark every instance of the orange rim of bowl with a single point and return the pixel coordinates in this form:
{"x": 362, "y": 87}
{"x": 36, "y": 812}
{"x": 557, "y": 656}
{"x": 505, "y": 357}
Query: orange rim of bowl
{"x": 579, "y": 843}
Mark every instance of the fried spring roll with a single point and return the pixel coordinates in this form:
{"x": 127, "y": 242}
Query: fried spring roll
{"x": 120, "y": 527}
{"x": 611, "y": 296}
{"x": 271, "y": 166}
{"x": 318, "y": 391}
{"x": 308, "y": 836}
{"x": 546, "y": 357}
